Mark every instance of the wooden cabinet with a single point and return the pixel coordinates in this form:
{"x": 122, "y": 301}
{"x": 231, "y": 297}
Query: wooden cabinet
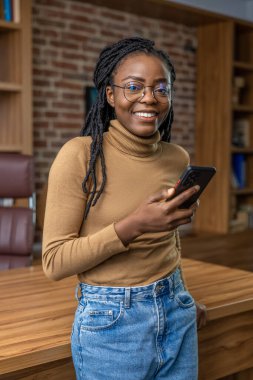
{"x": 224, "y": 107}
{"x": 15, "y": 83}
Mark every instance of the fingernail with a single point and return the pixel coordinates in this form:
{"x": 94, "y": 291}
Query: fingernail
{"x": 197, "y": 187}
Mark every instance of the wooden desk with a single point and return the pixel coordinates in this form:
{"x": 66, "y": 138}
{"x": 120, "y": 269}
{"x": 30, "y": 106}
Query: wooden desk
{"x": 37, "y": 314}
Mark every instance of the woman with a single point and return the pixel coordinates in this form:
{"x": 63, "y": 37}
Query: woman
{"x": 111, "y": 219}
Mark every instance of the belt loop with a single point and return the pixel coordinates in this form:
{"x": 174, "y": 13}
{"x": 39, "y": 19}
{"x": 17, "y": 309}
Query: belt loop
{"x": 78, "y": 286}
{"x": 127, "y": 297}
{"x": 171, "y": 285}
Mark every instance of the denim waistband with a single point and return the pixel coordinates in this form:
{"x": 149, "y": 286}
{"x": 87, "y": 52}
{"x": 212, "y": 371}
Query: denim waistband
{"x": 163, "y": 286}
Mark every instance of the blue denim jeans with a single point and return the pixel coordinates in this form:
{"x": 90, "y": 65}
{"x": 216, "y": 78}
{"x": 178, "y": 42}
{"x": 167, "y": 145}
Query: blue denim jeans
{"x": 136, "y": 333}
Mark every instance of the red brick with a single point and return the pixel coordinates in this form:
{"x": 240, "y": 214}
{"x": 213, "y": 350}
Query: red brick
{"x": 39, "y": 41}
{"x": 44, "y": 94}
{"x": 64, "y": 44}
{"x": 76, "y": 36}
{"x": 84, "y": 8}
{"x": 72, "y": 115}
{"x": 66, "y": 125}
{"x": 40, "y": 144}
{"x": 41, "y": 124}
{"x": 69, "y": 135}
{"x": 41, "y": 82}
{"x": 51, "y": 114}
{"x": 64, "y": 65}
{"x": 74, "y": 56}
{"x": 119, "y": 16}
{"x": 51, "y": 3}
{"x": 83, "y": 28}
{"x": 40, "y": 104}
{"x": 44, "y": 72}
{"x": 57, "y": 144}
{"x": 66, "y": 105}
{"x": 50, "y": 134}
{"x": 51, "y": 33}
{"x": 72, "y": 96}
{"x": 62, "y": 84}
{"x": 46, "y": 22}
{"x": 54, "y": 14}
{"x": 48, "y": 154}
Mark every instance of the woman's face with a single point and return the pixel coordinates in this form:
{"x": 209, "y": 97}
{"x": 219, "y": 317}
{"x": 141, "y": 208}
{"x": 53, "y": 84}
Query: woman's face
{"x": 144, "y": 116}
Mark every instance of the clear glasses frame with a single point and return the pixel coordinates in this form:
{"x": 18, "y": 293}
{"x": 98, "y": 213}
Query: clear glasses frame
{"x": 135, "y": 97}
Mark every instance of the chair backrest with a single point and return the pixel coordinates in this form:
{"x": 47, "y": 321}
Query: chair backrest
{"x": 16, "y": 223}
{"x": 16, "y": 175}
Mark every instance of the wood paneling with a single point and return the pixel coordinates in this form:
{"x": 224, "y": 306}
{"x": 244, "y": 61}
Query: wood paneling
{"x": 231, "y": 250}
{"x": 213, "y": 121}
{"x": 226, "y": 346}
{"x": 58, "y": 370}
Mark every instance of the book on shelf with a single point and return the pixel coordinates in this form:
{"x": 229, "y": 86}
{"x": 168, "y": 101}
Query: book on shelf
{"x": 243, "y": 219}
{"x": 7, "y": 10}
{"x": 238, "y": 170}
{"x": 10, "y": 10}
{"x": 240, "y": 223}
{"x": 241, "y": 133}
{"x": 246, "y": 211}
{"x": 6, "y": 202}
{"x": 16, "y": 10}
{"x": 238, "y": 87}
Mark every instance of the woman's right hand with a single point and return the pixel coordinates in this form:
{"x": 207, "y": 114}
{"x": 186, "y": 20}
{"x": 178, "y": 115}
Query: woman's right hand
{"x": 157, "y": 213}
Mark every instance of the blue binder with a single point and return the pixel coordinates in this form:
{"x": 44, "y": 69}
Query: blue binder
{"x": 239, "y": 169}
{"x": 7, "y": 10}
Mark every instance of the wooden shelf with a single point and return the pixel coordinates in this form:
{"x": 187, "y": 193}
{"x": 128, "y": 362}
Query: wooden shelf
{"x": 242, "y": 108}
{"x": 243, "y": 65}
{"x": 241, "y": 150}
{"x": 13, "y": 87}
{"x": 16, "y": 83}
{"x": 4, "y": 25}
{"x": 244, "y": 191}
{"x": 10, "y": 148}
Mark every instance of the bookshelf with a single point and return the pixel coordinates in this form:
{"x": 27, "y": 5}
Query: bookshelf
{"x": 224, "y": 124}
{"x": 16, "y": 82}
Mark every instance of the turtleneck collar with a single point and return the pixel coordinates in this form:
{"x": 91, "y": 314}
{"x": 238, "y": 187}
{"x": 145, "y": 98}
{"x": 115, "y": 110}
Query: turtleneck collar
{"x": 130, "y": 144}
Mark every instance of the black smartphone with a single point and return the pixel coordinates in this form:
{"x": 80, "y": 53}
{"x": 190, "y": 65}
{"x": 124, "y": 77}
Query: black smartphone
{"x": 194, "y": 175}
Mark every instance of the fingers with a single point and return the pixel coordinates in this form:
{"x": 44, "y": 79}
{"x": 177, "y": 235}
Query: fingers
{"x": 201, "y": 315}
{"x": 195, "y": 205}
{"x": 181, "y": 198}
{"x": 180, "y": 222}
{"x": 161, "y": 196}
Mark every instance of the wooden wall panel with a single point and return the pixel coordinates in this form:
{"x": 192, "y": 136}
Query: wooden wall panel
{"x": 213, "y": 121}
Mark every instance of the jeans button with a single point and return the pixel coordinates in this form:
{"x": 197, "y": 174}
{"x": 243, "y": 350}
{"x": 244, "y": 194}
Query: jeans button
{"x": 159, "y": 287}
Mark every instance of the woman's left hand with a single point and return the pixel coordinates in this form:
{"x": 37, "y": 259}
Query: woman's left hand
{"x": 201, "y": 315}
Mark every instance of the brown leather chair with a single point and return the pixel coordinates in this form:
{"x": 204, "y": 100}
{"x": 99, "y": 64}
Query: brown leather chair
{"x": 16, "y": 223}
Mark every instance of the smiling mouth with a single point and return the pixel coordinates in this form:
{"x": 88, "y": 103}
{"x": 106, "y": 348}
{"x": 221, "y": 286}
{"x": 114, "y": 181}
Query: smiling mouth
{"x": 146, "y": 115}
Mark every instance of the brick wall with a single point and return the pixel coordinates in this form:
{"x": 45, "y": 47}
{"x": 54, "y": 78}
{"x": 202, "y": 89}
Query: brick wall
{"x": 67, "y": 38}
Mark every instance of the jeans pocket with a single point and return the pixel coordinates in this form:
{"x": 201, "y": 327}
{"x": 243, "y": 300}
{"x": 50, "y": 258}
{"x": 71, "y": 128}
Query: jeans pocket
{"x": 100, "y": 315}
{"x": 184, "y": 299}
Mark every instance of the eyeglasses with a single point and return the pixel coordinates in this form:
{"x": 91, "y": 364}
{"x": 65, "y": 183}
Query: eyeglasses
{"x": 134, "y": 91}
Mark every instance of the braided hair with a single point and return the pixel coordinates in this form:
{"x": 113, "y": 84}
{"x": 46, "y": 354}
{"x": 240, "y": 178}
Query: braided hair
{"x": 100, "y": 114}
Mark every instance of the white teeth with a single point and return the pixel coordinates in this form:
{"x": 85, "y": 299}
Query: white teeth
{"x": 145, "y": 114}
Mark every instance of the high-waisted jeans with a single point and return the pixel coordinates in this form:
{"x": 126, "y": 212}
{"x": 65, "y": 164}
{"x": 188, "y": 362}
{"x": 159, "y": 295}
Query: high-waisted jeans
{"x": 136, "y": 333}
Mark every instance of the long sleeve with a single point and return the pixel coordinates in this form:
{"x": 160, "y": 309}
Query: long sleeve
{"x": 64, "y": 252}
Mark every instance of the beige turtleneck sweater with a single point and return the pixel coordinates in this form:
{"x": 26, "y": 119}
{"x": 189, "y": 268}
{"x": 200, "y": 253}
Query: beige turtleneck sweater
{"x": 136, "y": 168}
